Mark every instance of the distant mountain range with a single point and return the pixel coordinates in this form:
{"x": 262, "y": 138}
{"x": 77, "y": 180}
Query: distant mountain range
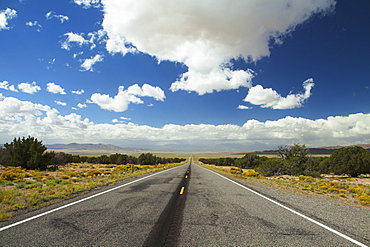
{"x": 92, "y": 148}
{"x": 319, "y": 150}
{"x": 96, "y": 149}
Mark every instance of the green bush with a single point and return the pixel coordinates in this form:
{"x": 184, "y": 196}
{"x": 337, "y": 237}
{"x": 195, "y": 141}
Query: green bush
{"x": 271, "y": 167}
{"x": 351, "y": 160}
{"x": 28, "y": 153}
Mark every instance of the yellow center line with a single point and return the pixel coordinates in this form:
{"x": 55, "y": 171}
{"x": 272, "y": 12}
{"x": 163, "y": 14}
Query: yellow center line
{"x": 182, "y": 190}
{"x": 186, "y": 176}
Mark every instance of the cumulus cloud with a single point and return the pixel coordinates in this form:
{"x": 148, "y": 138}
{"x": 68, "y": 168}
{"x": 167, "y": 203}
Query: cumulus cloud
{"x": 147, "y": 91}
{"x": 22, "y": 118}
{"x": 6, "y": 15}
{"x": 5, "y": 85}
{"x": 30, "y": 88}
{"x": 80, "y": 40}
{"x": 243, "y": 107}
{"x": 89, "y": 62}
{"x": 54, "y": 88}
{"x": 122, "y": 120}
{"x": 216, "y": 80}
{"x": 73, "y": 38}
{"x": 12, "y": 107}
{"x": 61, "y": 18}
{"x": 78, "y": 92}
{"x": 205, "y": 36}
{"x": 60, "y": 103}
{"x": 79, "y": 105}
{"x": 269, "y": 98}
{"x": 88, "y": 3}
{"x": 120, "y": 102}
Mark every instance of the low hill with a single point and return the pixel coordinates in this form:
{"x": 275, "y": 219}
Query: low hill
{"x": 75, "y": 148}
{"x": 316, "y": 151}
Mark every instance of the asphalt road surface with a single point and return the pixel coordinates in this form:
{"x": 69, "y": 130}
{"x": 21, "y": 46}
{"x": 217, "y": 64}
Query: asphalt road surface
{"x": 183, "y": 206}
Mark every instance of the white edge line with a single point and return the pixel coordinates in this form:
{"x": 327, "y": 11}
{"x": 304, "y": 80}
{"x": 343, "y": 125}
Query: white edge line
{"x": 291, "y": 210}
{"x": 84, "y": 199}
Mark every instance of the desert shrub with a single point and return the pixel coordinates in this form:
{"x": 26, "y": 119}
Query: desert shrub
{"x": 122, "y": 168}
{"x": 12, "y": 173}
{"x": 234, "y": 170}
{"x": 351, "y": 160}
{"x": 271, "y": 167}
{"x": 250, "y": 161}
{"x": 33, "y": 185}
{"x": 306, "y": 178}
{"x": 71, "y": 173}
{"x": 28, "y": 153}
{"x": 251, "y": 173}
{"x": 64, "y": 176}
{"x": 94, "y": 172}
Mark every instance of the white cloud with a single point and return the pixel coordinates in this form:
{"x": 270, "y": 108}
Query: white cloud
{"x": 5, "y": 85}
{"x": 60, "y": 103}
{"x": 147, "y": 91}
{"x": 125, "y": 118}
{"x": 30, "y": 88}
{"x": 79, "y": 39}
{"x": 97, "y": 36}
{"x": 73, "y": 38}
{"x": 120, "y": 102}
{"x": 79, "y": 92}
{"x": 205, "y": 36}
{"x": 79, "y": 105}
{"x": 54, "y": 88}
{"x": 6, "y": 15}
{"x": 12, "y": 107}
{"x": 122, "y": 120}
{"x": 243, "y": 107}
{"x": 78, "y": 54}
{"x": 269, "y": 98}
{"x": 31, "y": 24}
{"x": 61, "y": 18}
{"x": 88, "y": 3}
{"x": 34, "y": 24}
{"x": 216, "y": 80}
{"x": 88, "y": 63}
{"x": 22, "y": 118}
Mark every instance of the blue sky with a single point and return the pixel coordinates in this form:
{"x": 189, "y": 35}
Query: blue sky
{"x": 196, "y": 76}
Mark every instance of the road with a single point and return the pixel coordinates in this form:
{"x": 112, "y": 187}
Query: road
{"x": 183, "y": 206}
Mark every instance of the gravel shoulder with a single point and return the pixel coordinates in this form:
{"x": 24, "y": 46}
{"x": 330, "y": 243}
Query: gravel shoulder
{"x": 348, "y": 218}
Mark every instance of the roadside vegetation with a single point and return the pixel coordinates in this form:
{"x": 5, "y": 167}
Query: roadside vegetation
{"x": 31, "y": 178}
{"x": 345, "y": 174}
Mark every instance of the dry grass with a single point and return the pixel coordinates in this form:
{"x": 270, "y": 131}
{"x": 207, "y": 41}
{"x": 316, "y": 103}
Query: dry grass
{"x": 29, "y": 190}
{"x": 351, "y": 190}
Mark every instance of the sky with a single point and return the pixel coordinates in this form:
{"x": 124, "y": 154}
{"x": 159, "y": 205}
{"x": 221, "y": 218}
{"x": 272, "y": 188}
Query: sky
{"x": 189, "y": 76}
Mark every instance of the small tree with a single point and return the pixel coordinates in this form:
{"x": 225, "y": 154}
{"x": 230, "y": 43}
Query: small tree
{"x": 147, "y": 159}
{"x": 271, "y": 167}
{"x": 351, "y": 160}
{"x": 28, "y": 153}
{"x": 295, "y": 151}
{"x": 295, "y": 158}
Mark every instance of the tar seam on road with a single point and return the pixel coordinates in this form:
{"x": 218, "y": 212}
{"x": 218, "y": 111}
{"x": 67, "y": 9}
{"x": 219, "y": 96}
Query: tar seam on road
{"x": 293, "y": 211}
{"x": 166, "y": 231}
{"x": 76, "y": 202}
